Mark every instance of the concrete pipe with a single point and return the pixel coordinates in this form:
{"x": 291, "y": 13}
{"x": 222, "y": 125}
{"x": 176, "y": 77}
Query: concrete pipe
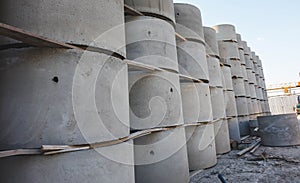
{"x": 251, "y": 78}
{"x": 259, "y": 94}
{"x": 215, "y": 73}
{"x": 161, "y": 157}
{"x": 196, "y": 101}
{"x": 231, "y": 110}
{"x": 242, "y": 106}
{"x": 90, "y": 23}
{"x": 247, "y": 61}
{"x": 211, "y": 41}
{"x": 151, "y": 41}
{"x": 225, "y": 32}
{"x": 244, "y": 73}
{"x": 192, "y": 59}
{"x": 247, "y": 88}
{"x": 279, "y": 130}
{"x": 250, "y": 106}
{"x": 244, "y": 125}
{"x": 234, "y": 130}
{"x": 236, "y": 69}
{"x": 240, "y": 43}
{"x": 239, "y": 87}
{"x": 218, "y": 103}
{"x": 222, "y": 139}
{"x": 200, "y": 141}
{"x": 227, "y": 78}
{"x": 242, "y": 57}
{"x": 189, "y": 22}
{"x": 155, "y": 100}
{"x": 64, "y": 97}
{"x": 252, "y": 91}
{"x": 228, "y": 50}
{"x": 255, "y": 106}
{"x": 155, "y": 8}
{"x": 253, "y": 56}
{"x": 246, "y": 48}
{"x": 201, "y": 147}
{"x": 259, "y": 106}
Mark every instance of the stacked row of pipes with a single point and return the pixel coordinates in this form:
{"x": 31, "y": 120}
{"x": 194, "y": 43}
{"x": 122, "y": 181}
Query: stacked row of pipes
{"x": 56, "y": 96}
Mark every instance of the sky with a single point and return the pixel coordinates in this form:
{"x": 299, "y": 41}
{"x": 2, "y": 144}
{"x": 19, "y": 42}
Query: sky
{"x": 271, "y": 28}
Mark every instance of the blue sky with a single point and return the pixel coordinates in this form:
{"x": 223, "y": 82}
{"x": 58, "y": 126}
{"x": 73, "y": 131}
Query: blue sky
{"x": 271, "y": 28}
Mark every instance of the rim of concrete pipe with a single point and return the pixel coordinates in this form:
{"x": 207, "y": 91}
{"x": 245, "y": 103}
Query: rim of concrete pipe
{"x": 225, "y": 32}
{"x": 210, "y": 37}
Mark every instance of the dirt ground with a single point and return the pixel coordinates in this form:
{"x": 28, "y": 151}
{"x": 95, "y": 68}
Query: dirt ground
{"x": 266, "y": 164}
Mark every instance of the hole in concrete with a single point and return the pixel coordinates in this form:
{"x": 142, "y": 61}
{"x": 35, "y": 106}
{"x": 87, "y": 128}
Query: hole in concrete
{"x": 177, "y": 14}
{"x": 149, "y": 33}
{"x": 152, "y": 152}
{"x": 171, "y": 89}
{"x": 55, "y": 79}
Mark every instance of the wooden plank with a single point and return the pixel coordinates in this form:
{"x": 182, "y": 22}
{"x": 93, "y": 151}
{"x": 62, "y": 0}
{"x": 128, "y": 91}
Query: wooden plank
{"x": 17, "y": 152}
{"x": 30, "y": 38}
{"x": 132, "y": 11}
{"x": 244, "y": 151}
{"x": 180, "y": 37}
{"x": 255, "y": 148}
{"x": 245, "y": 137}
{"x": 142, "y": 66}
{"x": 189, "y": 78}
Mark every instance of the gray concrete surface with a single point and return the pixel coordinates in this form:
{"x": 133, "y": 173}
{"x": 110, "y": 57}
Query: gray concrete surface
{"x": 239, "y": 87}
{"x": 227, "y": 78}
{"x": 211, "y": 41}
{"x": 151, "y": 41}
{"x": 242, "y": 106}
{"x": 90, "y": 23}
{"x": 215, "y": 73}
{"x": 161, "y": 157}
{"x": 156, "y": 8}
{"x": 189, "y": 21}
{"x": 57, "y": 97}
{"x": 201, "y": 147}
{"x": 222, "y": 137}
{"x": 192, "y": 59}
{"x": 225, "y": 32}
{"x": 234, "y": 130}
{"x": 231, "y": 110}
{"x": 218, "y": 102}
{"x": 228, "y": 50}
{"x": 155, "y": 99}
{"x": 279, "y": 130}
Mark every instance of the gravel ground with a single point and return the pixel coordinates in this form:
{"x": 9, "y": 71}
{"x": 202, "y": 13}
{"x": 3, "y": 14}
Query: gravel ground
{"x": 276, "y": 164}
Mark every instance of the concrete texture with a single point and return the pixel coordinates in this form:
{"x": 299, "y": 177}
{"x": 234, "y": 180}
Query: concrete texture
{"x": 242, "y": 106}
{"x": 250, "y": 106}
{"x": 222, "y": 137}
{"x": 228, "y": 50}
{"x": 255, "y": 106}
{"x": 192, "y": 59}
{"x": 151, "y": 41}
{"x": 236, "y": 69}
{"x": 201, "y": 147}
{"x": 84, "y": 166}
{"x": 279, "y": 130}
{"x": 218, "y": 103}
{"x": 251, "y": 77}
{"x": 239, "y": 87}
{"x": 242, "y": 56}
{"x": 189, "y": 21}
{"x": 200, "y": 140}
{"x": 234, "y": 130}
{"x": 161, "y": 157}
{"x": 211, "y": 41}
{"x": 48, "y": 92}
{"x": 155, "y": 99}
{"x": 231, "y": 110}
{"x": 196, "y": 101}
{"x": 252, "y": 91}
{"x": 227, "y": 79}
{"x": 215, "y": 73}
{"x": 157, "y": 8}
{"x": 244, "y": 126}
{"x": 64, "y": 97}
{"x": 247, "y": 88}
{"x": 244, "y": 72}
{"x": 90, "y": 23}
{"x": 225, "y": 32}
